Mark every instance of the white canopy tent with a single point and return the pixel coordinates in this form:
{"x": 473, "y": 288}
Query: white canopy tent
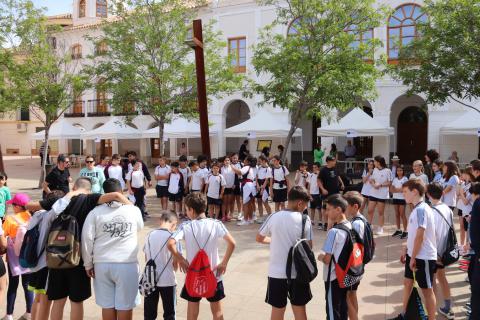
{"x": 115, "y": 128}
{"x": 62, "y": 129}
{"x": 467, "y": 124}
{"x": 178, "y": 128}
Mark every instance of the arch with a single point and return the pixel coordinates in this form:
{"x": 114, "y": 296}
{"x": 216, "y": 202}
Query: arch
{"x": 82, "y": 8}
{"x": 98, "y": 125}
{"x": 402, "y": 27}
{"x": 235, "y": 112}
{"x": 76, "y": 51}
{"x": 102, "y": 8}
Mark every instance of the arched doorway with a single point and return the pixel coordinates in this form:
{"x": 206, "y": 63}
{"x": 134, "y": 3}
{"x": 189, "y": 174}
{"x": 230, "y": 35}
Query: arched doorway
{"x": 236, "y": 112}
{"x": 412, "y": 134}
{"x": 364, "y": 145}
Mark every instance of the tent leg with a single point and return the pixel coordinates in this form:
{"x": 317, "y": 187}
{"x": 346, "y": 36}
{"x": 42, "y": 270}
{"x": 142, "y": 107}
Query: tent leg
{"x": 188, "y": 149}
{"x": 301, "y": 139}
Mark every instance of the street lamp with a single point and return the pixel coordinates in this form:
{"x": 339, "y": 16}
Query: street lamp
{"x": 195, "y": 41}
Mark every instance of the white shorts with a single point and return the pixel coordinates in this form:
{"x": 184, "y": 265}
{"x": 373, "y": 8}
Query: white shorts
{"x": 116, "y": 285}
{"x": 249, "y": 192}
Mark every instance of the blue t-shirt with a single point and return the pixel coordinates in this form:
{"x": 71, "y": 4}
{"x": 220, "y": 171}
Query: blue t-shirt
{"x": 96, "y": 176}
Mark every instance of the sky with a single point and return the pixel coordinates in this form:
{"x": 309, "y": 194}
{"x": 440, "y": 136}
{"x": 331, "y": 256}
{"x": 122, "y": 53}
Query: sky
{"x": 55, "y": 6}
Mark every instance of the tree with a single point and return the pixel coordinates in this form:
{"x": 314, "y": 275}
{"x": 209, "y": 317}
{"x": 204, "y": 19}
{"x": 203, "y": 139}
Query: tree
{"x": 319, "y": 65}
{"x": 36, "y": 76}
{"x": 442, "y": 64}
{"x": 149, "y": 65}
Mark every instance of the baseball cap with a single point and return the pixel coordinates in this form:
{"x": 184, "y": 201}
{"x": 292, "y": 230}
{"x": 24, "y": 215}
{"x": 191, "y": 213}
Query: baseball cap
{"x": 20, "y": 199}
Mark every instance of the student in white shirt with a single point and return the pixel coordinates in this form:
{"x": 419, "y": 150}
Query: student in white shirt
{"x": 464, "y": 205}
{"x": 316, "y": 201}
{"x": 136, "y": 185}
{"x": 264, "y": 175}
{"x": 398, "y": 201}
{"x": 162, "y": 172}
{"x": 452, "y": 181}
{"x": 237, "y": 192}
{"x": 367, "y": 186}
{"x": 215, "y": 184}
{"x": 228, "y": 197}
{"x": 279, "y": 183}
{"x": 187, "y": 174}
{"x": 113, "y": 228}
{"x": 281, "y": 230}
{"x": 417, "y": 173}
{"x": 443, "y": 218}
{"x": 156, "y": 249}
{"x": 379, "y": 193}
{"x": 249, "y": 189}
{"x": 175, "y": 188}
{"x": 115, "y": 170}
{"x": 301, "y": 175}
{"x": 207, "y": 232}
{"x": 420, "y": 255}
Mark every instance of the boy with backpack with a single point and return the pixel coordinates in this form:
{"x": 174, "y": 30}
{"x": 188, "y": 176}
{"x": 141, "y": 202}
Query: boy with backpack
{"x": 342, "y": 256}
{"x": 365, "y": 233}
{"x": 420, "y": 255}
{"x": 202, "y": 266}
{"x": 443, "y": 217}
{"x": 163, "y": 282}
{"x": 282, "y": 230}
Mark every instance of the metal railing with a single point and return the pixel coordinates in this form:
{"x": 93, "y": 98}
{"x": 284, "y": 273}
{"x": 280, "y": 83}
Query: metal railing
{"x": 77, "y": 109}
{"x": 98, "y": 108}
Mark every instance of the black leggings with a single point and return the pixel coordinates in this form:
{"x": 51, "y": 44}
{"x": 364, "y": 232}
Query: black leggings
{"x": 139, "y": 194}
{"x": 150, "y": 307}
{"x": 12, "y": 291}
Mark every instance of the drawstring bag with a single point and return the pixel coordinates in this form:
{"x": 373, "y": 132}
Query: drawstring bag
{"x": 149, "y": 278}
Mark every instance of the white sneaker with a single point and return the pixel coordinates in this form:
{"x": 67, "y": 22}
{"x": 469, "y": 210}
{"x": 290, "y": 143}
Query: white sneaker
{"x": 251, "y": 221}
{"x": 379, "y": 231}
{"x": 243, "y": 223}
{"x": 8, "y": 317}
{"x": 26, "y": 316}
{"x": 240, "y": 217}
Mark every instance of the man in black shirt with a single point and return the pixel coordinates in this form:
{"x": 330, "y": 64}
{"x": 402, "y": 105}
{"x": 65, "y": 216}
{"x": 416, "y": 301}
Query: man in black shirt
{"x": 330, "y": 182}
{"x": 59, "y": 178}
{"x": 243, "y": 152}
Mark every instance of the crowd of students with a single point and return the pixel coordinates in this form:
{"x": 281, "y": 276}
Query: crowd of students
{"x": 197, "y": 201}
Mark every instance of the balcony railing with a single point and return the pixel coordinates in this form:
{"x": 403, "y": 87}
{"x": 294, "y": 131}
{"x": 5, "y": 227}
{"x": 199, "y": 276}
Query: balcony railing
{"x": 99, "y": 108}
{"x": 128, "y": 109}
{"x": 77, "y": 109}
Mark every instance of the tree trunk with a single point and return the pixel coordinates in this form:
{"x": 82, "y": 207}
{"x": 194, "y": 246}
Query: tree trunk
{"x": 45, "y": 158}
{"x": 161, "y": 143}
{"x": 2, "y": 167}
{"x": 287, "y": 142}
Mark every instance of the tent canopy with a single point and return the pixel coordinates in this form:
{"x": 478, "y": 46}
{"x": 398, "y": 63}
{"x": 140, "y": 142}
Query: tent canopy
{"x": 262, "y": 125}
{"x": 62, "y": 129}
{"x": 114, "y": 128}
{"x": 178, "y": 128}
{"x": 467, "y": 124}
{"x": 355, "y": 123}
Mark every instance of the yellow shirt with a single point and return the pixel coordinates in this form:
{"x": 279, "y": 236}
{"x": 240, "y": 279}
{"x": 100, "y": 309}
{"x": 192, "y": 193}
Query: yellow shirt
{"x": 10, "y": 226}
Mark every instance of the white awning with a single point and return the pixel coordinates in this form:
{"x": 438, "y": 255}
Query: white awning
{"x": 466, "y": 124}
{"x": 61, "y": 129}
{"x": 262, "y": 125}
{"x": 114, "y": 128}
{"x": 355, "y": 123}
{"x": 180, "y": 128}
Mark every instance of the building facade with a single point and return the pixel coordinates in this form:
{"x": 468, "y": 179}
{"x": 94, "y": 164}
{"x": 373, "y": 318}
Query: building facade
{"x": 417, "y": 127}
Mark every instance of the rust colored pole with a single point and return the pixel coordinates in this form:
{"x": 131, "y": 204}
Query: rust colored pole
{"x": 2, "y": 167}
{"x": 201, "y": 87}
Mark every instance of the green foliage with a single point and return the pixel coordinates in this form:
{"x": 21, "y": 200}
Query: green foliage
{"x": 443, "y": 64}
{"x": 316, "y": 67}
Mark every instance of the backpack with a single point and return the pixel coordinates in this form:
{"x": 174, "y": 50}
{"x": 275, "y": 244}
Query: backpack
{"x": 21, "y": 231}
{"x": 281, "y": 183}
{"x": 302, "y": 256}
{"x": 148, "y": 280}
{"x": 200, "y": 281}
{"x": 28, "y": 252}
{"x": 451, "y": 254}
{"x": 349, "y": 268}
{"x": 368, "y": 241}
{"x": 63, "y": 243}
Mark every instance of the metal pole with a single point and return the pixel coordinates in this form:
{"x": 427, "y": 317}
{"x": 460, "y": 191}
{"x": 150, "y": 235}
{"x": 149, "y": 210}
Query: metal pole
{"x": 201, "y": 87}
{"x": 2, "y": 167}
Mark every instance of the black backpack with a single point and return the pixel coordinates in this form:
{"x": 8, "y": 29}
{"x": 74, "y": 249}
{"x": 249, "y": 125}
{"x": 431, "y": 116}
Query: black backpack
{"x": 28, "y": 253}
{"x": 451, "y": 254}
{"x": 368, "y": 241}
{"x": 303, "y": 257}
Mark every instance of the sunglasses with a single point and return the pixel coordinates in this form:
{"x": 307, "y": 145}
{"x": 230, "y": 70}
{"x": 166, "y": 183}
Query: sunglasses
{"x": 90, "y": 161}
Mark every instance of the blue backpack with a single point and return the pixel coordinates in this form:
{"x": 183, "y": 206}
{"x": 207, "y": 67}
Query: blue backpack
{"x": 28, "y": 253}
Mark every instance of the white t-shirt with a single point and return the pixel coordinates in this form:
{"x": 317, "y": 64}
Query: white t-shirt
{"x": 187, "y": 173}
{"x": 136, "y": 178}
{"x": 264, "y": 173}
{"x": 279, "y": 174}
{"x": 367, "y": 187}
{"x": 301, "y": 178}
{"x": 381, "y": 177}
{"x": 466, "y": 208}
{"x": 359, "y": 225}
{"x": 313, "y": 183}
{"x": 251, "y": 172}
{"x": 442, "y": 225}
{"x": 334, "y": 245}
{"x": 214, "y": 185}
{"x": 284, "y": 228}
{"x": 229, "y": 175}
{"x": 422, "y": 177}
{"x": 422, "y": 217}
{"x": 450, "y": 198}
{"x": 162, "y": 171}
{"x": 198, "y": 179}
{"x": 174, "y": 183}
{"x": 156, "y": 248}
{"x": 398, "y": 183}
{"x": 116, "y": 172}
{"x": 202, "y": 233}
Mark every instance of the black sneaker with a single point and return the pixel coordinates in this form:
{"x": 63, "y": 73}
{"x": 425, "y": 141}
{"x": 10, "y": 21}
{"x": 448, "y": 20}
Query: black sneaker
{"x": 320, "y": 226}
{"x": 397, "y": 233}
{"x": 404, "y": 235}
{"x": 399, "y": 317}
{"x": 325, "y": 227}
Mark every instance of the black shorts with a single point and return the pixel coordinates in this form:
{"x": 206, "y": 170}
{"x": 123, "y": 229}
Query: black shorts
{"x": 354, "y": 287}
{"x": 3, "y": 270}
{"x": 162, "y": 191}
{"x": 465, "y": 223}
{"x": 365, "y": 198}
{"x": 237, "y": 191}
{"x": 175, "y": 197}
{"x": 439, "y": 266}
{"x": 279, "y": 195}
{"x": 377, "y": 200}
{"x": 214, "y": 202}
{"x": 219, "y": 294}
{"x": 424, "y": 273}
{"x": 72, "y": 283}
{"x": 38, "y": 281}
{"x": 399, "y": 202}
{"x": 316, "y": 202}
{"x": 459, "y": 212}
{"x": 227, "y": 191}
{"x": 279, "y": 290}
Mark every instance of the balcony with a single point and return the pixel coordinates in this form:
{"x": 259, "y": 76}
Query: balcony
{"x": 129, "y": 109}
{"x": 99, "y": 108}
{"x": 76, "y": 110}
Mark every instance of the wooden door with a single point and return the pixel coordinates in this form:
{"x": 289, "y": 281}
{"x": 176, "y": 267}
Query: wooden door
{"x": 155, "y": 147}
{"x": 106, "y": 147}
{"x": 412, "y": 135}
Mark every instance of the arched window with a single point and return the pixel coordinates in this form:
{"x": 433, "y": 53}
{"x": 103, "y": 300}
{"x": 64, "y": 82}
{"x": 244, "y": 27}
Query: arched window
{"x": 82, "y": 8}
{"x": 402, "y": 27}
{"x": 102, "y": 8}
{"x": 76, "y": 51}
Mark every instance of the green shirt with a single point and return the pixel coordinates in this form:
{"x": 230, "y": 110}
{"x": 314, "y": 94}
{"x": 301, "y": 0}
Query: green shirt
{"x": 4, "y": 197}
{"x": 318, "y": 155}
{"x": 96, "y": 176}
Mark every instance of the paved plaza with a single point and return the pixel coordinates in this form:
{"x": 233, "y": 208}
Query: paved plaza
{"x": 245, "y": 282}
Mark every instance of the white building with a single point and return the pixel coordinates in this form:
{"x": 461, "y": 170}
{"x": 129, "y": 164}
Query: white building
{"x": 417, "y": 129}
